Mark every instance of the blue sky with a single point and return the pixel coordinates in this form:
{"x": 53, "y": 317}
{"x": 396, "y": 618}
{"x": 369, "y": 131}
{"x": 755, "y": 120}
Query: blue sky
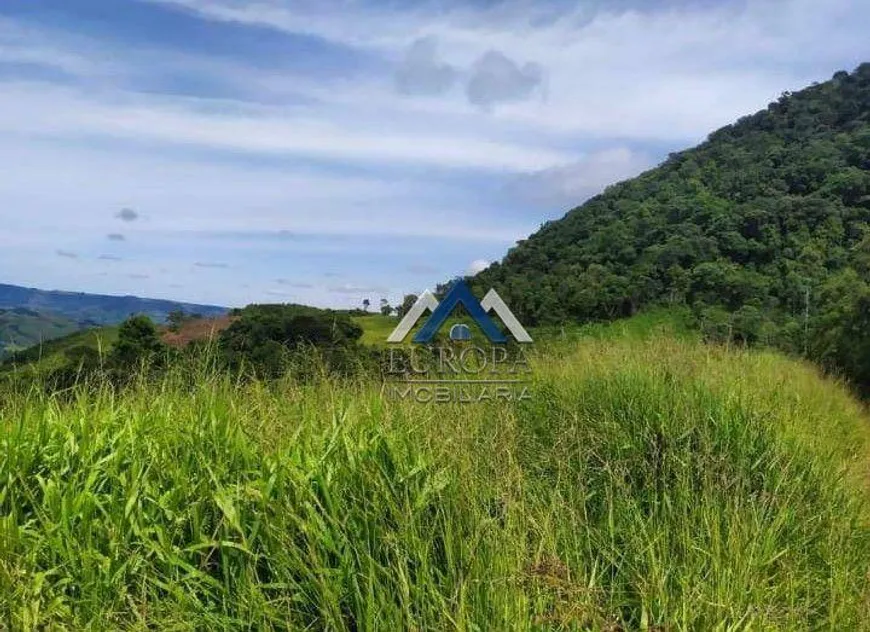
{"x": 237, "y": 151}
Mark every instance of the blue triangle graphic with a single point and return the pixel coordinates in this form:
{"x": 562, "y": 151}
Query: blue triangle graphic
{"x": 459, "y": 293}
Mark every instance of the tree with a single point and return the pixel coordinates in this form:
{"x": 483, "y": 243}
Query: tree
{"x": 138, "y": 341}
{"x": 82, "y": 357}
{"x": 175, "y": 319}
{"x": 386, "y": 308}
{"x": 442, "y": 289}
{"x": 407, "y": 304}
{"x": 266, "y": 337}
{"x": 841, "y": 328}
{"x": 366, "y": 304}
{"x": 178, "y": 317}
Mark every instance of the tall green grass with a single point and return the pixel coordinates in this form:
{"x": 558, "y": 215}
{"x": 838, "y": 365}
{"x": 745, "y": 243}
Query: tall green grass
{"x": 656, "y": 484}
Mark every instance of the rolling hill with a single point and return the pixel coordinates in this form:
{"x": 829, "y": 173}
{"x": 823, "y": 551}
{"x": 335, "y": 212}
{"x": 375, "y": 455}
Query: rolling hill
{"x": 96, "y": 309}
{"x": 52, "y": 353}
{"x": 29, "y": 316}
{"x": 21, "y": 328}
{"x": 763, "y": 230}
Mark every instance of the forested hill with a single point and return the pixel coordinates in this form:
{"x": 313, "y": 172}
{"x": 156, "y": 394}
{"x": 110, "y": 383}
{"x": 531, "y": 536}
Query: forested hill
{"x": 764, "y": 229}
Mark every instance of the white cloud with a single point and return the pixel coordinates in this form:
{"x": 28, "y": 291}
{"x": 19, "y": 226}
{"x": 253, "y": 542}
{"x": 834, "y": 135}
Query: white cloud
{"x": 572, "y": 184}
{"x": 334, "y": 154}
{"x": 23, "y": 44}
{"x": 43, "y": 111}
{"x": 477, "y": 266}
{"x": 71, "y": 191}
{"x": 668, "y": 73}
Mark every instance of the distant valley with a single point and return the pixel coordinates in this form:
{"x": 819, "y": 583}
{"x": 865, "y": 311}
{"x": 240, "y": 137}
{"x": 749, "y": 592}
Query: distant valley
{"x": 29, "y": 316}
{"x": 21, "y": 328}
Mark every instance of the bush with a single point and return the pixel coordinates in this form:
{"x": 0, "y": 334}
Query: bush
{"x": 265, "y": 339}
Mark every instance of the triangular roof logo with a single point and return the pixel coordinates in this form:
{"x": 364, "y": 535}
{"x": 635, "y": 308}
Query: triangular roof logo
{"x": 479, "y": 311}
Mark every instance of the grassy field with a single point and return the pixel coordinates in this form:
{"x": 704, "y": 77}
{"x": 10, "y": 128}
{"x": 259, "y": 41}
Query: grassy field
{"x": 652, "y": 483}
{"x": 376, "y": 328}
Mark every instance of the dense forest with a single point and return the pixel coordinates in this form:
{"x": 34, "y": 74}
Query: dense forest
{"x": 764, "y": 230}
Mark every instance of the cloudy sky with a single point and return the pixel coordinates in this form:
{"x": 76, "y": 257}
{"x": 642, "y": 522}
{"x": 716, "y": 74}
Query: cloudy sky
{"x": 236, "y": 151}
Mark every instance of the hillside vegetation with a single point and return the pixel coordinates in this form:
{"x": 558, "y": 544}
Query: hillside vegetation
{"x": 763, "y": 230}
{"x": 262, "y": 341}
{"x": 30, "y": 318}
{"x": 61, "y": 351}
{"x": 21, "y": 328}
{"x": 652, "y": 483}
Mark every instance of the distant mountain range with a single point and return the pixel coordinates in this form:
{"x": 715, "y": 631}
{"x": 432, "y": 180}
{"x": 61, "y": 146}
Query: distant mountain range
{"x": 29, "y": 316}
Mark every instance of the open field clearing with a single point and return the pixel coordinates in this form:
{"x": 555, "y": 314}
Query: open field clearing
{"x": 657, "y": 483}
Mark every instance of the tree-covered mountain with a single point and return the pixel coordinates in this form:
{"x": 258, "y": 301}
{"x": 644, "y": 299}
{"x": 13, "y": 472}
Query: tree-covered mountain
{"x": 764, "y": 230}
{"x": 96, "y": 309}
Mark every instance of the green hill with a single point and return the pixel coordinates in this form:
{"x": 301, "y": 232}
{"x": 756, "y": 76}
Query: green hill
{"x": 21, "y": 328}
{"x": 59, "y": 351}
{"x": 763, "y": 230}
{"x": 376, "y": 328}
{"x": 30, "y": 318}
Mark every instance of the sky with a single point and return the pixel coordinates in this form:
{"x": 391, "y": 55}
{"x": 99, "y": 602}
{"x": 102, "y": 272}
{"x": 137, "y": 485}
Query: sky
{"x": 239, "y": 151}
